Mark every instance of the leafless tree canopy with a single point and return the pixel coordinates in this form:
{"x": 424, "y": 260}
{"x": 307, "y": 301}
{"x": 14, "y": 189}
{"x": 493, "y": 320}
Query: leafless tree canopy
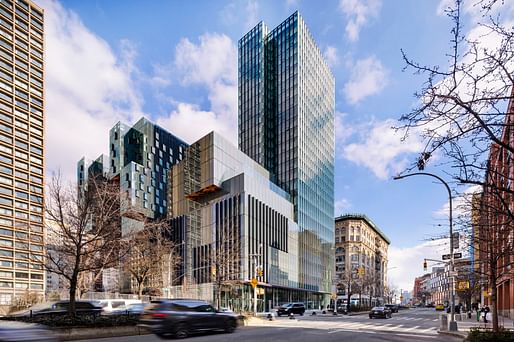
{"x": 151, "y": 256}
{"x": 464, "y": 115}
{"x": 83, "y": 229}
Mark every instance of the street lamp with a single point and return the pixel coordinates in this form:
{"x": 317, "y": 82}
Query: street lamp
{"x": 453, "y": 323}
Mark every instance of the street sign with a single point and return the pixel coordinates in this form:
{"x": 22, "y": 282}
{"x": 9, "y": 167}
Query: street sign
{"x": 449, "y": 256}
{"x": 254, "y": 282}
{"x": 453, "y": 273}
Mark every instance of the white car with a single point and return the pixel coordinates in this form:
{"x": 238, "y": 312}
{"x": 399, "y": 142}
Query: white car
{"x": 116, "y": 305}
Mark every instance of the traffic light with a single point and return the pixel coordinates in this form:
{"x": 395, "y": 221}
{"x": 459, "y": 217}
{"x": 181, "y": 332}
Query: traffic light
{"x": 425, "y": 265}
{"x": 260, "y": 272}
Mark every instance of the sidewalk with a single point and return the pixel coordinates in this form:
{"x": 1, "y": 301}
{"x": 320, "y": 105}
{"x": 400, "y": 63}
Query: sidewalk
{"x": 465, "y": 324}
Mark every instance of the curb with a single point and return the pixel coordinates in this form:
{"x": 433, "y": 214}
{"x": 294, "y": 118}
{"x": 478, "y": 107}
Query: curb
{"x": 70, "y": 334}
{"x": 455, "y": 334}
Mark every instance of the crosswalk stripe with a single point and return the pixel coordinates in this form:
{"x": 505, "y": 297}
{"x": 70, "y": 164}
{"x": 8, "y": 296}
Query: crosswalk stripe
{"x": 413, "y": 328}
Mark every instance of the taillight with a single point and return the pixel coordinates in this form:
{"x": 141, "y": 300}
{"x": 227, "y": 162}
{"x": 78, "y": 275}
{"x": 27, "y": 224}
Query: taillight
{"x": 159, "y": 315}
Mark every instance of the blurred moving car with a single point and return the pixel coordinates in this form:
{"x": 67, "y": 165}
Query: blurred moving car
{"x": 182, "y": 317}
{"x": 59, "y": 308}
{"x": 392, "y": 307}
{"x": 136, "y": 308}
{"x": 117, "y": 305}
{"x": 380, "y": 312}
{"x": 439, "y": 307}
{"x": 291, "y": 308}
{"x": 19, "y": 331}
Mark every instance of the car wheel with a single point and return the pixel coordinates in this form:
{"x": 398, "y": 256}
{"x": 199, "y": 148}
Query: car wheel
{"x": 301, "y": 313}
{"x": 181, "y": 331}
{"x": 230, "y": 326}
{"x": 278, "y": 314}
{"x": 370, "y": 317}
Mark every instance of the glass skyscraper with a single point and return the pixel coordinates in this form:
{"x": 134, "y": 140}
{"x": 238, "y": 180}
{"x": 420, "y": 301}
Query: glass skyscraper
{"x": 286, "y": 124}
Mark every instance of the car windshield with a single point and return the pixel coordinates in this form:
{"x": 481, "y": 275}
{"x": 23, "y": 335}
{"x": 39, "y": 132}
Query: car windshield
{"x": 287, "y": 305}
{"x": 378, "y": 308}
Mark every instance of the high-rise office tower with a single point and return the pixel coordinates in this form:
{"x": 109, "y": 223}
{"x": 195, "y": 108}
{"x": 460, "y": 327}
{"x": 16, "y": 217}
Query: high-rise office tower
{"x": 286, "y": 124}
{"x": 21, "y": 150}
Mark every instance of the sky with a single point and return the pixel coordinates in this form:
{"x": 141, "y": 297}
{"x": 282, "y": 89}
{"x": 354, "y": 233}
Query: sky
{"x": 175, "y": 62}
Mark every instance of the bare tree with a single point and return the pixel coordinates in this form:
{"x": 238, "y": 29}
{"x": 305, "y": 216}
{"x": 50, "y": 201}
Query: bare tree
{"x": 226, "y": 260}
{"x": 347, "y": 283}
{"x": 86, "y": 230}
{"x": 461, "y": 116}
{"x": 151, "y": 256}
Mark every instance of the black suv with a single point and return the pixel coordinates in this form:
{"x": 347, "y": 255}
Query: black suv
{"x": 392, "y": 307}
{"x": 291, "y": 308}
{"x": 182, "y": 317}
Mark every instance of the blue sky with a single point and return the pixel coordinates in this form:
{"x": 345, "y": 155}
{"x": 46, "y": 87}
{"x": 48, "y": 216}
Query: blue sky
{"x": 175, "y": 62}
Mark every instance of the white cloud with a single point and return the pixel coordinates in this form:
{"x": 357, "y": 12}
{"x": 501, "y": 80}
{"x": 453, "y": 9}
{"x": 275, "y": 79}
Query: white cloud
{"x": 461, "y": 204}
{"x": 381, "y": 149}
{"x": 368, "y": 77}
{"x": 237, "y": 12}
{"x": 252, "y": 14}
{"x": 343, "y": 130}
{"x": 88, "y": 89}
{"x": 445, "y": 5}
{"x": 331, "y": 56}
{"x": 405, "y": 264}
{"x": 292, "y": 3}
{"x": 341, "y": 206}
{"x": 190, "y": 123}
{"x": 211, "y": 64}
{"x": 358, "y": 13}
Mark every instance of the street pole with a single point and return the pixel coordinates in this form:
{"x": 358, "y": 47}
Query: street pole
{"x": 453, "y": 323}
{"x": 255, "y": 256}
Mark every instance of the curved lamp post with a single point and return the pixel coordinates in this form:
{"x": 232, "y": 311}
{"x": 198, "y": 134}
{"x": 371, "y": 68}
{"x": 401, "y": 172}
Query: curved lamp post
{"x": 453, "y": 323}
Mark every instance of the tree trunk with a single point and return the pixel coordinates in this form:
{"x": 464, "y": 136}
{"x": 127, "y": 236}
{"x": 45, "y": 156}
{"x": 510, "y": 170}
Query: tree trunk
{"x": 348, "y": 306}
{"x": 140, "y": 290}
{"x": 73, "y": 293}
{"x": 494, "y": 302}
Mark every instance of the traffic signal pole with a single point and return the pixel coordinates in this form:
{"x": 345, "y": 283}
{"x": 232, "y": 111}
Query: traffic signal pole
{"x": 453, "y": 323}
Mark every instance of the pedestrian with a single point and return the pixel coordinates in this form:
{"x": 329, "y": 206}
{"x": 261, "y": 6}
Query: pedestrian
{"x": 483, "y": 314}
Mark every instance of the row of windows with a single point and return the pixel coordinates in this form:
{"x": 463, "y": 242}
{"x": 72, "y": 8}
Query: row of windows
{"x": 20, "y": 235}
{"x": 9, "y": 284}
{"x": 23, "y": 275}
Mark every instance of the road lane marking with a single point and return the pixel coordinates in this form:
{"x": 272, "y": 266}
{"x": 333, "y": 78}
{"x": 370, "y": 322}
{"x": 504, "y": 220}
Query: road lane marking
{"x": 413, "y": 328}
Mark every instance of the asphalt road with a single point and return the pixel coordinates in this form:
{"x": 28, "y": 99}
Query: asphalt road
{"x": 409, "y": 325}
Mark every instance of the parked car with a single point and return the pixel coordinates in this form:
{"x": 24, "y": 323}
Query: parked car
{"x": 116, "y": 305}
{"x": 380, "y": 312}
{"x": 342, "y": 309}
{"x": 182, "y": 317}
{"x": 439, "y": 307}
{"x": 392, "y": 307}
{"x": 19, "y": 331}
{"x": 59, "y": 308}
{"x": 291, "y": 308}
